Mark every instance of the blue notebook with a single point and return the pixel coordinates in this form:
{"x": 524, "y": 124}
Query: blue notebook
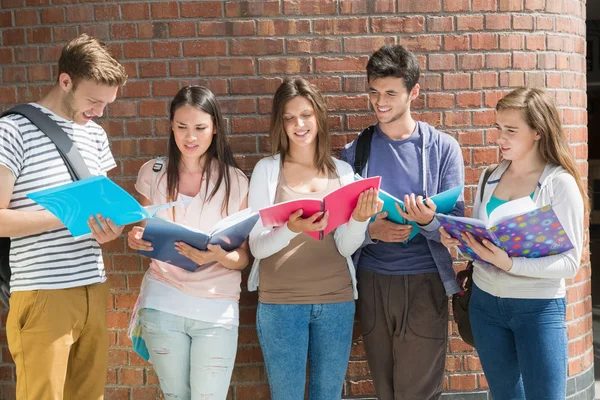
{"x": 229, "y": 233}
{"x": 445, "y": 202}
{"x": 74, "y": 202}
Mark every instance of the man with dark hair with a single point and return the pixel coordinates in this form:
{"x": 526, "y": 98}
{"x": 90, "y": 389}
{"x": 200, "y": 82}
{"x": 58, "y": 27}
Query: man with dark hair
{"x": 404, "y": 280}
{"x": 56, "y": 328}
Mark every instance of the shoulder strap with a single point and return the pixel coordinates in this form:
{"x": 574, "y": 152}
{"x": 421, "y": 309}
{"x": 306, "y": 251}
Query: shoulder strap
{"x": 363, "y": 149}
{"x": 67, "y": 150}
{"x": 486, "y": 175}
{"x": 156, "y": 168}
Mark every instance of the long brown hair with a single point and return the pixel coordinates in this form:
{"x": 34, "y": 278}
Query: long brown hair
{"x": 280, "y": 143}
{"x": 540, "y": 113}
{"x": 218, "y": 154}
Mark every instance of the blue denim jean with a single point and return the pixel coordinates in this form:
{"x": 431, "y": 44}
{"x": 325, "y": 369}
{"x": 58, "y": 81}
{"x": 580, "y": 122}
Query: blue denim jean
{"x": 522, "y": 345}
{"x": 291, "y": 334}
{"x": 192, "y": 359}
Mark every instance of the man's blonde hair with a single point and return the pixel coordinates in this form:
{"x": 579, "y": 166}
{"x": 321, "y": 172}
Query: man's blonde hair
{"x": 87, "y": 58}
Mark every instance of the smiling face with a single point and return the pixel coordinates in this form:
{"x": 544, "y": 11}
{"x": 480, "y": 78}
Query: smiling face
{"x": 300, "y": 122}
{"x": 390, "y": 98}
{"x": 86, "y": 100}
{"x": 194, "y": 130}
{"x": 516, "y": 139}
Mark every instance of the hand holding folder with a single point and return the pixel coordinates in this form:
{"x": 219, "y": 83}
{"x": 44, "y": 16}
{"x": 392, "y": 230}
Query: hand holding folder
{"x": 517, "y": 227}
{"x": 73, "y": 203}
{"x": 340, "y": 203}
{"x": 229, "y": 233}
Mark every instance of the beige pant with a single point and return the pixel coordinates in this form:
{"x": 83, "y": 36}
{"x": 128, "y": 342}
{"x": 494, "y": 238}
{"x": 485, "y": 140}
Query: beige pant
{"x": 59, "y": 342}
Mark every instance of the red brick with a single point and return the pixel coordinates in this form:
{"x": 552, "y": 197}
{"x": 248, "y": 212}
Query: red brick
{"x": 164, "y": 10}
{"x": 249, "y": 125}
{"x": 350, "y": 103}
{"x": 469, "y": 22}
{"x": 80, "y": 13}
{"x": 39, "y": 73}
{"x": 8, "y": 95}
{"x": 361, "y": 387}
{"x": 240, "y": 47}
{"x": 122, "y": 31}
{"x": 523, "y": 22}
{"x": 153, "y": 69}
{"x": 512, "y": 42}
{"x": 166, "y": 49}
{"x": 535, "y": 43}
{"x": 463, "y": 382}
{"x": 524, "y": 61}
{"x": 398, "y": 24}
{"x": 107, "y": 12}
{"x": 150, "y": 108}
{"x": 202, "y": 9}
{"x": 484, "y": 41}
{"x": 314, "y": 46}
{"x": 26, "y": 17}
{"x": 485, "y": 5}
{"x": 137, "y": 50}
{"x": 442, "y": 62}
{"x": 422, "y": 43}
{"x": 456, "y": 5}
{"x": 440, "y": 100}
{"x": 182, "y": 29}
{"x": 341, "y": 64}
{"x": 456, "y": 43}
{"x": 284, "y": 66}
{"x": 418, "y": 6}
{"x": 283, "y": 27}
{"x": 499, "y": 22}
{"x": 497, "y": 60}
{"x": 255, "y": 85}
{"x": 512, "y": 79}
{"x": 340, "y": 26}
{"x": 14, "y": 37}
{"x": 252, "y": 8}
{"x": 199, "y": 48}
{"x": 484, "y": 118}
{"x": 228, "y": 66}
{"x": 183, "y": 68}
{"x": 366, "y": 7}
{"x": 454, "y": 119}
{"x": 510, "y": 5}
{"x": 470, "y": 61}
{"x": 440, "y": 24}
{"x": 468, "y": 99}
{"x": 310, "y": 7}
{"x": 210, "y": 28}
{"x": 368, "y": 44}
{"x": 135, "y": 11}
{"x": 5, "y": 19}
{"x": 130, "y": 376}
{"x": 457, "y": 81}
{"x": 22, "y": 55}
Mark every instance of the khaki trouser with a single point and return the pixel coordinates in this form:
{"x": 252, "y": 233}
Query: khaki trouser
{"x": 404, "y": 320}
{"x": 59, "y": 342}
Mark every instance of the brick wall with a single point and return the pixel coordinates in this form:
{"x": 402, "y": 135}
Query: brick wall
{"x": 471, "y": 51}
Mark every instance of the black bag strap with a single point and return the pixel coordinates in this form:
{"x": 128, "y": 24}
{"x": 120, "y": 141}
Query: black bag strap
{"x": 363, "y": 149}
{"x": 65, "y": 146}
{"x": 486, "y": 175}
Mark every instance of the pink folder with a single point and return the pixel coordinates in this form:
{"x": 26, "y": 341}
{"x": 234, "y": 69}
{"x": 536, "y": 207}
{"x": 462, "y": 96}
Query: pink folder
{"x": 340, "y": 203}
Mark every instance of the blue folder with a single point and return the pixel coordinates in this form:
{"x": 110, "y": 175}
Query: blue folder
{"x": 230, "y": 233}
{"x": 73, "y": 203}
{"x": 445, "y": 202}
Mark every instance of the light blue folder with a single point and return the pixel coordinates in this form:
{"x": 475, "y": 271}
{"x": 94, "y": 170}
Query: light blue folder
{"x": 75, "y": 202}
{"x": 445, "y": 202}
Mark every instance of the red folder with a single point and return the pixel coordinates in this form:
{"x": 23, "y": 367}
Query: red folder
{"x": 340, "y": 203}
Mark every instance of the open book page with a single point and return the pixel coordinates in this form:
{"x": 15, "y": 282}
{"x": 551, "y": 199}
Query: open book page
{"x": 510, "y": 210}
{"x": 231, "y": 232}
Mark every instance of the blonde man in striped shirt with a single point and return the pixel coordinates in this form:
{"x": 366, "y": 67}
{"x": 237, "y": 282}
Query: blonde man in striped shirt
{"x": 56, "y": 325}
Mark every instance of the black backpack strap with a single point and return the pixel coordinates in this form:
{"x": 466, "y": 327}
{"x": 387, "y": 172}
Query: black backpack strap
{"x": 363, "y": 149}
{"x": 65, "y": 146}
{"x": 486, "y": 175}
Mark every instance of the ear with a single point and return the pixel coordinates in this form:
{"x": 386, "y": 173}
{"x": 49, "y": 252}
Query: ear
{"x": 65, "y": 82}
{"x": 414, "y": 93}
{"x": 537, "y": 136}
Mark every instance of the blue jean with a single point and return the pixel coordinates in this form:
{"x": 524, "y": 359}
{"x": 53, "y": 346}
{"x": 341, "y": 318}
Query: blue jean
{"x": 522, "y": 345}
{"x": 193, "y": 359}
{"x": 289, "y": 334}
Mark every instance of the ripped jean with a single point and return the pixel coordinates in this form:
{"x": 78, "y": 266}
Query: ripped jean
{"x": 193, "y": 359}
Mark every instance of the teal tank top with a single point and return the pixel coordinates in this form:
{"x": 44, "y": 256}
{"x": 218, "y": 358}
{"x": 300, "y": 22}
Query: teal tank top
{"x": 496, "y": 202}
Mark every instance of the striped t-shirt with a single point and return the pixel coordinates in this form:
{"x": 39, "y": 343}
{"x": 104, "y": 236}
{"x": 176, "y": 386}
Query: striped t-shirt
{"x": 53, "y": 259}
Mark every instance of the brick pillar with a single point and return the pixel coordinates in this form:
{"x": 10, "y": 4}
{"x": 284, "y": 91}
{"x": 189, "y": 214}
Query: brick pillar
{"x": 471, "y": 51}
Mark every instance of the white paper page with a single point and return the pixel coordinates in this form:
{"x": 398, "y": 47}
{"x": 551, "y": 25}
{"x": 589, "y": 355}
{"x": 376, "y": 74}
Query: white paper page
{"x": 231, "y": 220}
{"x": 510, "y": 210}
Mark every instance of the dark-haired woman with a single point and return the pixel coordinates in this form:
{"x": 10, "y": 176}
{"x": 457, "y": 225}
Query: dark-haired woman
{"x": 189, "y": 320}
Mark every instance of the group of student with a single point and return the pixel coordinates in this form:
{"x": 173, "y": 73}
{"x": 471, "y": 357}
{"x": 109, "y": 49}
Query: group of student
{"x": 57, "y": 327}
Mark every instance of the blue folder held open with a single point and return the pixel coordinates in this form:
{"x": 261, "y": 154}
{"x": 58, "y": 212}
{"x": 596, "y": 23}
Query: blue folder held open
{"x": 228, "y": 233}
{"x": 73, "y": 203}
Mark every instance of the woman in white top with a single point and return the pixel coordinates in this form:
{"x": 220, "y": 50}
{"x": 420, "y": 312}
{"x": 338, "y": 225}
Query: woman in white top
{"x": 307, "y": 286}
{"x": 186, "y": 322}
{"x": 517, "y": 307}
